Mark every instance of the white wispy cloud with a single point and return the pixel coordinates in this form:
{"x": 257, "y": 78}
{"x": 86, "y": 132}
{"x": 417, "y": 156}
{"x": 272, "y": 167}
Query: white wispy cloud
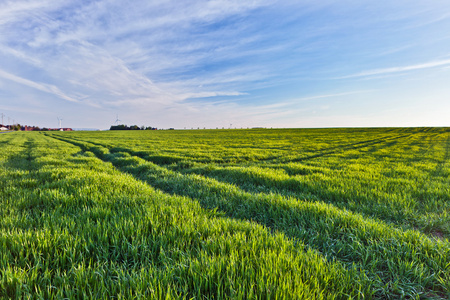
{"x": 48, "y": 88}
{"x": 93, "y": 71}
{"x": 383, "y": 71}
{"x": 102, "y": 53}
{"x": 20, "y": 55}
{"x": 11, "y": 11}
{"x": 298, "y": 101}
{"x": 334, "y": 95}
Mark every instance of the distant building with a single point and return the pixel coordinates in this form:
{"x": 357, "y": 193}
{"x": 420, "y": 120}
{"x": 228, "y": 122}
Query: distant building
{"x": 33, "y": 128}
{"x": 29, "y": 128}
{"x": 60, "y": 129}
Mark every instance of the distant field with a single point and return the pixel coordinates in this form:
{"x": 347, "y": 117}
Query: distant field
{"x": 215, "y": 214}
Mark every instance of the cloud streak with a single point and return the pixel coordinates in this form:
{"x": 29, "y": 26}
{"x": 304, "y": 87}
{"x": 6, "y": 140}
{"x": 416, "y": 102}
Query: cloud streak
{"x": 43, "y": 87}
{"x": 384, "y": 71}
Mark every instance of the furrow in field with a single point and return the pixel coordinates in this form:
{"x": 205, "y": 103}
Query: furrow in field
{"x": 303, "y": 155}
{"x": 368, "y": 192}
{"x": 332, "y": 150}
{"x": 378, "y": 204}
{"x": 339, "y": 234}
{"x": 21, "y": 159}
{"x": 441, "y": 165}
{"x": 317, "y": 188}
{"x": 85, "y": 230}
{"x": 365, "y": 185}
{"x": 341, "y": 148}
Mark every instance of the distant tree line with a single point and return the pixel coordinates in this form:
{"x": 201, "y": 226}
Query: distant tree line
{"x": 132, "y": 127}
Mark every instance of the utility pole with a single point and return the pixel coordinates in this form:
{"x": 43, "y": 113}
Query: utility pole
{"x": 2, "y": 119}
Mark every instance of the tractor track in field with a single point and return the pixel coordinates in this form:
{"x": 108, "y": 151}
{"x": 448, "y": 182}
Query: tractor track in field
{"x": 288, "y": 188}
{"x": 323, "y": 152}
{"x": 25, "y": 154}
{"x": 351, "y": 146}
{"x": 189, "y": 180}
{"x": 291, "y": 188}
{"x": 447, "y": 153}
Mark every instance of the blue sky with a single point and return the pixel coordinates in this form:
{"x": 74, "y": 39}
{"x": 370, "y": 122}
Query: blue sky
{"x": 215, "y": 63}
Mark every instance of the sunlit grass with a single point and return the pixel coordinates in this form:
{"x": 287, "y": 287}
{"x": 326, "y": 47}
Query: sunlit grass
{"x": 307, "y": 214}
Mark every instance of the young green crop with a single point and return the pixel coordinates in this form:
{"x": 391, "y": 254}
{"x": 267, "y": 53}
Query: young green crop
{"x": 73, "y": 226}
{"x": 316, "y": 213}
{"x": 338, "y": 234}
{"x": 397, "y": 175}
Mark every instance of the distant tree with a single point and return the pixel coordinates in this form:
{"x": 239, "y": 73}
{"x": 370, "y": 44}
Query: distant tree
{"x": 132, "y": 127}
{"x": 16, "y": 127}
{"x": 119, "y": 127}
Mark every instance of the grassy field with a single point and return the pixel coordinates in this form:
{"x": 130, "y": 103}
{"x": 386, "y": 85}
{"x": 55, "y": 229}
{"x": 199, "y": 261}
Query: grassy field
{"x": 217, "y": 214}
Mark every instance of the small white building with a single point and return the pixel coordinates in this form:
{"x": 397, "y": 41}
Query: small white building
{"x": 3, "y": 128}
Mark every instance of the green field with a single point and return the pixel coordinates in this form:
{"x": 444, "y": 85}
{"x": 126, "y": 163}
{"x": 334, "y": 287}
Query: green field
{"x": 218, "y": 214}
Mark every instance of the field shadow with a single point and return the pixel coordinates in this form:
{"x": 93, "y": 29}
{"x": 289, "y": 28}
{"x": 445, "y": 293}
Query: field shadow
{"x": 22, "y": 160}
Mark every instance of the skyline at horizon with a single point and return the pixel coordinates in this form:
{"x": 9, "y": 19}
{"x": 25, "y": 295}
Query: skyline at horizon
{"x": 210, "y": 64}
